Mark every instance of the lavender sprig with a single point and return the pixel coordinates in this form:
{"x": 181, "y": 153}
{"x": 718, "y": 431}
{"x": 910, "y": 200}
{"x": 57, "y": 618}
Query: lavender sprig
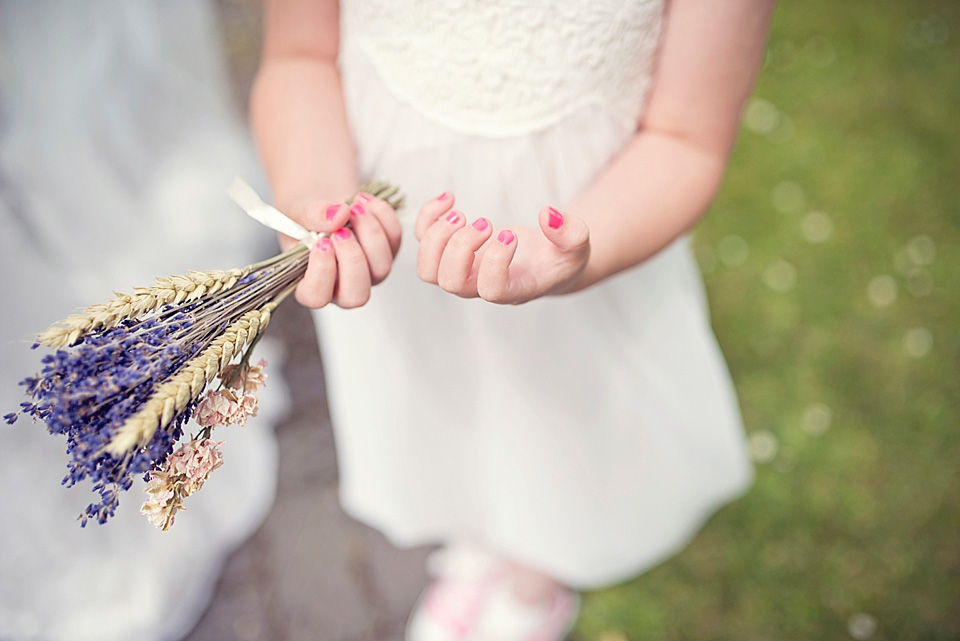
{"x": 122, "y": 394}
{"x": 127, "y": 375}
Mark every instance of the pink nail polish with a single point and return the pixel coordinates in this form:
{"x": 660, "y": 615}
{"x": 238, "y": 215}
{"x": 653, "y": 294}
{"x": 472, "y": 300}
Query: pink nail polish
{"x": 506, "y": 237}
{"x": 357, "y": 209}
{"x": 480, "y": 224}
{"x": 332, "y": 211}
{"x": 453, "y": 217}
{"x": 556, "y": 219}
{"x": 342, "y": 234}
{"x": 442, "y": 197}
{"x": 362, "y": 198}
{"x": 323, "y": 244}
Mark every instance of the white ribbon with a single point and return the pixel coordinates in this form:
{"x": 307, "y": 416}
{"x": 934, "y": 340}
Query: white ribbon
{"x": 245, "y": 196}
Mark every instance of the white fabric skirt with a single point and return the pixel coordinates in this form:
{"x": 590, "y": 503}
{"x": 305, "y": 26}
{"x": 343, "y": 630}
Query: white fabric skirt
{"x": 587, "y": 435}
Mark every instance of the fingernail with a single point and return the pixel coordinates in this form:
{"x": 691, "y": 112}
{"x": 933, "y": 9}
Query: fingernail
{"x": 332, "y": 211}
{"x": 356, "y": 210}
{"x": 453, "y": 217}
{"x": 443, "y": 196}
{"x": 506, "y": 237}
{"x": 342, "y": 234}
{"x": 480, "y": 224}
{"x": 556, "y": 218}
{"x": 362, "y": 198}
{"x": 323, "y": 244}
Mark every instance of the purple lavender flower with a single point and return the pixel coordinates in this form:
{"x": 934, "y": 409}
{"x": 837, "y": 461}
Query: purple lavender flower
{"x": 88, "y": 391}
{"x": 129, "y": 372}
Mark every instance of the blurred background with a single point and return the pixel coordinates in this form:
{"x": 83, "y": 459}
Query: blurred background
{"x": 832, "y": 260}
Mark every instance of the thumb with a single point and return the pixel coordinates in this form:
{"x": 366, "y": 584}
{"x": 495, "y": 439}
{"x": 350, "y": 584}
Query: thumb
{"x": 320, "y": 215}
{"x": 568, "y": 232}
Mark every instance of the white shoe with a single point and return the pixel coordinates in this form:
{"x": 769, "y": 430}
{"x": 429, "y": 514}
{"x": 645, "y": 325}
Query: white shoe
{"x": 506, "y": 619}
{"x": 450, "y": 607}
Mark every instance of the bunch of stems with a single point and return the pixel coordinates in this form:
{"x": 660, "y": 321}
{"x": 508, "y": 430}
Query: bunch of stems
{"x": 126, "y": 374}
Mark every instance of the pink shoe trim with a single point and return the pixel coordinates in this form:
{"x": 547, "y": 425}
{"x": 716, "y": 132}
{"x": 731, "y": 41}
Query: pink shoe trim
{"x": 563, "y": 614}
{"x": 456, "y": 604}
{"x": 458, "y": 617}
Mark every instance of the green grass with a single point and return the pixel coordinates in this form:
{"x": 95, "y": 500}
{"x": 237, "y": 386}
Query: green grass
{"x": 854, "y": 519}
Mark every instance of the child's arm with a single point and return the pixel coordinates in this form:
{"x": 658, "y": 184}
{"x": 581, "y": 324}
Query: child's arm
{"x": 654, "y": 191}
{"x": 300, "y": 124}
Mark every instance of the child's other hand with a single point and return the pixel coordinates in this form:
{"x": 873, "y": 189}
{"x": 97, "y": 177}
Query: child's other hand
{"x": 513, "y": 266}
{"x": 344, "y": 267}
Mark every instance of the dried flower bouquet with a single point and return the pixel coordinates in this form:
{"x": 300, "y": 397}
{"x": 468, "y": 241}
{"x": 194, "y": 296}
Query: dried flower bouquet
{"x": 127, "y": 375}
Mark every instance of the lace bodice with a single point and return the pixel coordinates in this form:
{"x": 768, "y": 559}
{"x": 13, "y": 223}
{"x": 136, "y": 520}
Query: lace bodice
{"x": 508, "y": 67}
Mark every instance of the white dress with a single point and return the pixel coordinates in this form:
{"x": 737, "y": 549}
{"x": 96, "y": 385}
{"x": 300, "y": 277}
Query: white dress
{"x": 117, "y": 139}
{"x": 587, "y": 435}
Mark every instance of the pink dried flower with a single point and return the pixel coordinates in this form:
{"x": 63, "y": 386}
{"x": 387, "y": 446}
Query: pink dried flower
{"x": 248, "y": 405}
{"x": 256, "y": 377}
{"x": 230, "y": 410}
{"x": 164, "y": 501}
{"x": 216, "y": 408}
{"x": 248, "y": 379}
{"x": 183, "y": 473}
{"x": 205, "y": 457}
{"x": 227, "y": 406}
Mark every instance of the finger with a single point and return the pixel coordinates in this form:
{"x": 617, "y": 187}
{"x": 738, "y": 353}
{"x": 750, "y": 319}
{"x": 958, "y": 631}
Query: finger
{"x": 353, "y": 274}
{"x": 568, "y": 232}
{"x": 431, "y": 211}
{"x": 493, "y": 276}
{"x": 320, "y": 215}
{"x": 316, "y": 288}
{"x": 433, "y": 244}
{"x": 373, "y": 240}
{"x": 386, "y": 215}
{"x": 285, "y": 241}
{"x": 456, "y": 273}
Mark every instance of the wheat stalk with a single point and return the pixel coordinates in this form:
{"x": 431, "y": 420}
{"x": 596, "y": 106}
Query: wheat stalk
{"x": 172, "y": 290}
{"x": 173, "y": 396}
{"x": 167, "y": 291}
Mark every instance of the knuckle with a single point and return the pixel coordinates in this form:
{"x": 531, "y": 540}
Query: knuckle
{"x": 460, "y": 243}
{"x": 379, "y": 272}
{"x": 492, "y": 292}
{"x": 581, "y": 235}
{"x": 380, "y": 207}
{"x": 454, "y": 286}
{"x": 463, "y": 290}
{"x": 446, "y": 283}
{"x": 356, "y": 299}
{"x": 426, "y": 275}
{"x": 350, "y": 253}
{"x": 309, "y": 298}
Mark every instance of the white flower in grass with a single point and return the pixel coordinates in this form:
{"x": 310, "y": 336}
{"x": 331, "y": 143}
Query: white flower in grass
{"x": 733, "y": 250}
{"x": 918, "y": 342}
{"x": 861, "y": 626}
{"x": 882, "y": 291}
{"x": 763, "y": 446}
{"x": 780, "y": 276}
{"x": 816, "y": 227}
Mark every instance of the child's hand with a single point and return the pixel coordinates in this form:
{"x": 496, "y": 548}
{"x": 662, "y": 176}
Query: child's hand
{"x": 516, "y": 266}
{"x": 343, "y": 267}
